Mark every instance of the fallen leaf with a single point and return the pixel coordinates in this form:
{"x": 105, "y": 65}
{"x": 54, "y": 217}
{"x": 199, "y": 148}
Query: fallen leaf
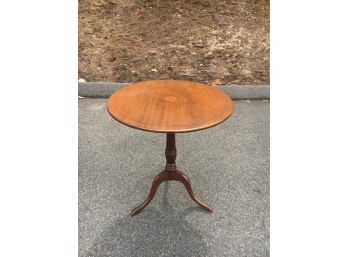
{"x": 216, "y": 83}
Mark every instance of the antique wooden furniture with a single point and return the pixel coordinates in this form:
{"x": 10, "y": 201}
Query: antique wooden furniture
{"x": 170, "y": 106}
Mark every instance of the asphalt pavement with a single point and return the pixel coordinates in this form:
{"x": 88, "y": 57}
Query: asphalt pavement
{"x": 228, "y": 166}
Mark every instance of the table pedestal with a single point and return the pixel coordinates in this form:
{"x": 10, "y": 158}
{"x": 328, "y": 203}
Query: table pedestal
{"x": 170, "y": 173}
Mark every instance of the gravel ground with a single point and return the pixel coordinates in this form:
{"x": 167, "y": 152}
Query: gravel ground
{"x": 228, "y": 166}
{"x": 204, "y": 41}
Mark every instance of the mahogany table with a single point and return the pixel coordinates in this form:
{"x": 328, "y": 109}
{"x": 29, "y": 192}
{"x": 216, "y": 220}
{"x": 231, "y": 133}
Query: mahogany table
{"x": 170, "y": 106}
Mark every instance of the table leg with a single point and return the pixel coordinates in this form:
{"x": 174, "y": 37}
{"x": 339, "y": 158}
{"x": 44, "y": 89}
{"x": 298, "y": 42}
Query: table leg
{"x": 170, "y": 173}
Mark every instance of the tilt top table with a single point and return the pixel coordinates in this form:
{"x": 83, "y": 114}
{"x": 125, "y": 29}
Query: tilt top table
{"x": 170, "y": 106}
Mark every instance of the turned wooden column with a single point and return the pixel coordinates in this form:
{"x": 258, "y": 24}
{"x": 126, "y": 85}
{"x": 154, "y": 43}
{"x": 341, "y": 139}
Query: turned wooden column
{"x": 170, "y": 152}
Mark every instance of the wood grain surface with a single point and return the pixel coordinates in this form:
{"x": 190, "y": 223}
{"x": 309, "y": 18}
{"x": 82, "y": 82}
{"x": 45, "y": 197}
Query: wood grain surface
{"x": 170, "y": 106}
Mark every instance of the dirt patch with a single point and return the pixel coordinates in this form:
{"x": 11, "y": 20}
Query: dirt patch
{"x": 199, "y": 40}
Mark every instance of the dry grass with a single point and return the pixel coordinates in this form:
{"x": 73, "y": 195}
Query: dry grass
{"x": 128, "y": 41}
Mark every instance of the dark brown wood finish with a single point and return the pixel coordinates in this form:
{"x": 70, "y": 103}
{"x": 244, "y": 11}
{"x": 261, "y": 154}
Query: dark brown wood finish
{"x": 170, "y": 173}
{"x": 170, "y": 106}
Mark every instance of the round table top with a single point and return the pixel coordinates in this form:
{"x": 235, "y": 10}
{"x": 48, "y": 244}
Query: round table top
{"x": 170, "y": 106}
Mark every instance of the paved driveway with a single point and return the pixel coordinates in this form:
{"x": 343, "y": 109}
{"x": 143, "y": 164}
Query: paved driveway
{"x": 228, "y": 166}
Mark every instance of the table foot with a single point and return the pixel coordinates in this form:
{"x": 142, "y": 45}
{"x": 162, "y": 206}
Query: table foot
{"x": 170, "y": 175}
{"x": 155, "y": 184}
{"x": 185, "y": 180}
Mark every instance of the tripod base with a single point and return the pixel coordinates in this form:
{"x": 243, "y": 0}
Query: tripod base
{"x": 170, "y": 175}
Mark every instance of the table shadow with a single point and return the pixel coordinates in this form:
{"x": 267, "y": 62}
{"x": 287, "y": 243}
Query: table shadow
{"x": 152, "y": 233}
